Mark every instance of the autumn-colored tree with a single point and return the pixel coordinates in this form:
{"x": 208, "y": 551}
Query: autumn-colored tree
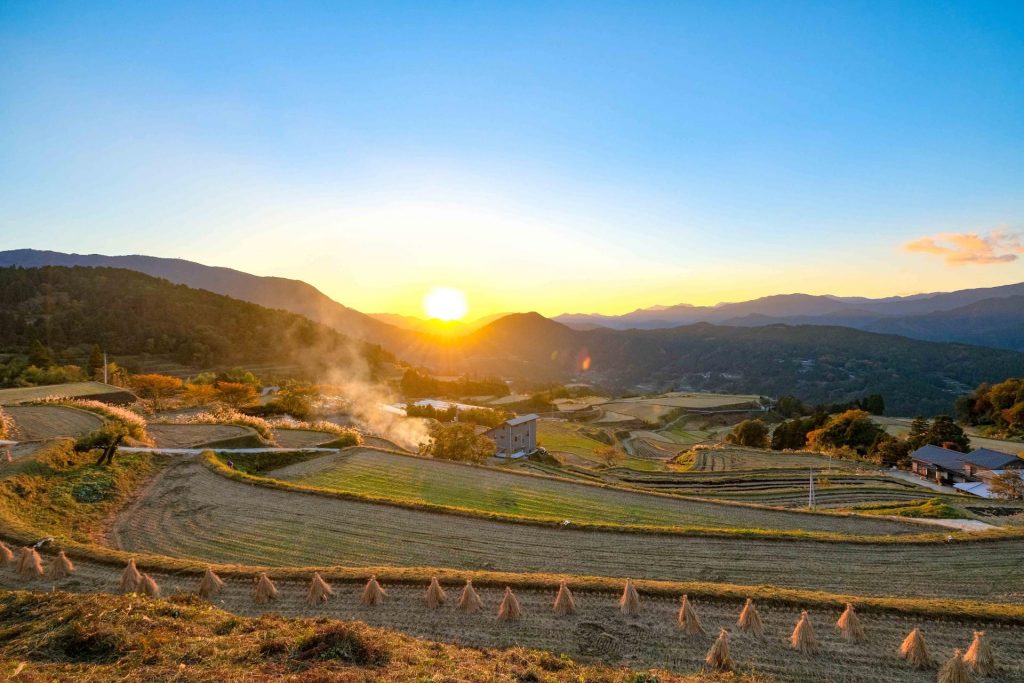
{"x": 198, "y": 394}
{"x": 1009, "y": 485}
{"x": 95, "y": 366}
{"x": 236, "y": 394}
{"x": 298, "y": 399}
{"x": 155, "y": 387}
{"x": 458, "y": 441}
{"x": 852, "y": 429}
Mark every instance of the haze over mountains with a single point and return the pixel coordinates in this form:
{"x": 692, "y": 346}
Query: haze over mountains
{"x": 816, "y": 354}
{"x": 992, "y": 316}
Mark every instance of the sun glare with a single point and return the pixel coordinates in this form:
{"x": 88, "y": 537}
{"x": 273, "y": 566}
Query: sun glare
{"x": 445, "y": 303}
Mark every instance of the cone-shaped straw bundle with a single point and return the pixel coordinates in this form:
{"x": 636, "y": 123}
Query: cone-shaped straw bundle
{"x": 265, "y": 590}
{"x": 718, "y": 656}
{"x": 373, "y": 594}
{"x": 689, "y": 622}
{"x": 954, "y": 670}
{"x": 979, "y": 655}
{"x": 509, "y": 610}
{"x": 849, "y": 626}
{"x": 915, "y": 651}
{"x": 131, "y": 579}
{"x": 564, "y": 602}
{"x": 149, "y": 586}
{"x": 435, "y": 596}
{"x": 750, "y": 619}
{"x": 470, "y": 601}
{"x": 6, "y": 554}
{"x": 211, "y": 584}
{"x": 629, "y": 603}
{"x": 30, "y": 565}
{"x": 319, "y": 590}
{"x": 63, "y": 567}
{"x": 803, "y": 639}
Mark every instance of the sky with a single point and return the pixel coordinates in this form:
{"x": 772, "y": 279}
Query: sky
{"x": 548, "y": 156}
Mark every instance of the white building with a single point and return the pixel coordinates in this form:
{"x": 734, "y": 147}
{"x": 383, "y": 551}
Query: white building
{"x": 515, "y": 438}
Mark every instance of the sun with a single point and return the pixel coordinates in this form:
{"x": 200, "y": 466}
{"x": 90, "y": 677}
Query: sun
{"x": 445, "y": 303}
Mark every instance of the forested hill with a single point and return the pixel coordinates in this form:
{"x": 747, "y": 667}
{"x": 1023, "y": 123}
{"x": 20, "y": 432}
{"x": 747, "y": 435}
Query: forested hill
{"x": 131, "y": 314}
{"x": 817, "y": 363}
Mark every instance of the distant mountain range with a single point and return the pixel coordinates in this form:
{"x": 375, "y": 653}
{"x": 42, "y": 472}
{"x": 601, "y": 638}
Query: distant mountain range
{"x": 991, "y": 316}
{"x": 788, "y": 344}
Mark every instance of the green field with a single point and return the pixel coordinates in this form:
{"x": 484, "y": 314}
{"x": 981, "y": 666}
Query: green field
{"x": 378, "y": 473}
{"x": 560, "y": 437}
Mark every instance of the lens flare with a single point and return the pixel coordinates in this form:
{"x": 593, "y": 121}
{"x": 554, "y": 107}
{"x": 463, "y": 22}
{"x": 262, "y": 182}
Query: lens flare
{"x": 445, "y": 303}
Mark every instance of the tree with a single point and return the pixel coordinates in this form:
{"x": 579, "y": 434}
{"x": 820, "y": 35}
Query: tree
{"x": 458, "y": 441}
{"x": 108, "y": 438}
{"x": 751, "y": 433}
{"x": 95, "y": 365}
{"x": 1009, "y": 485}
{"x": 790, "y": 406}
{"x": 918, "y": 435}
{"x": 39, "y": 355}
{"x": 298, "y": 399}
{"x": 874, "y": 404}
{"x": 155, "y": 387}
{"x": 236, "y": 394}
{"x": 948, "y": 434}
{"x": 851, "y": 429}
{"x": 890, "y": 451}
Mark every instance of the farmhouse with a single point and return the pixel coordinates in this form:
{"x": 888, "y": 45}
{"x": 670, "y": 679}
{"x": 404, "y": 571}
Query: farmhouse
{"x": 946, "y": 466}
{"x": 516, "y": 437}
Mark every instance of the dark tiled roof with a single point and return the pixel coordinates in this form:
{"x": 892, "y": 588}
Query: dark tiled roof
{"x": 954, "y": 461}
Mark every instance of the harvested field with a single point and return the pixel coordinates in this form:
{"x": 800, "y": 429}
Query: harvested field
{"x": 34, "y": 423}
{"x": 199, "y": 435}
{"x": 743, "y": 459}
{"x": 648, "y": 412}
{"x": 93, "y": 390}
{"x": 377, "y": 473}
{"x": 612, "y": 417}
{"x": 191, "y": 512}
{"x": 582, "y": 403}
{"x": 598, "y": 631}
{"x": 302, "y": 438}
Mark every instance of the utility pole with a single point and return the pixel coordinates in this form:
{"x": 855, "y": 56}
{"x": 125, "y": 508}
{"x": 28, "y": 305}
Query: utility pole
{"x": 105, "y": 368}
{"x": 810, "y": 492}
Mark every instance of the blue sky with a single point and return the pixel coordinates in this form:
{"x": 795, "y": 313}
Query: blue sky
{"x": 540, "y": 156}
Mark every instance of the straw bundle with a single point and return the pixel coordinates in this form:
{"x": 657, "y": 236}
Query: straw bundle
{"x": 629, "y": 603}
{"x": 849, "y": 626}
{"x": 130, "y": 578}
{"x": 750, "y": 619}
{"x": 470, "y": 601}
{"x": 435, "y": 596}
{"x": 6, "y": 554}
{"x": 954, "y": 670}
{"x": 803, "y": 639}
{"x": 373, "y": 594}
{"x": 979, "y": 655}
{"x": 319, "y": 590}
{"x": 509, "y": 610}
{"x": 63, "y": 567}
{"x": 689, "y": 622}
{"x": 211, "y": 584}
{"x": 718, "y": 656}
{"x": 149, "y": 586}
{"x": 30, "y": 565}
{"x": 265, "y": 590}
{"x": 564, "y": 602}
{"x": 915, "y": 651}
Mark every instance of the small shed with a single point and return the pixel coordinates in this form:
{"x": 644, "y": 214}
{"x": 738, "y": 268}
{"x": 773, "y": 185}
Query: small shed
{"x": 515, "y": 437}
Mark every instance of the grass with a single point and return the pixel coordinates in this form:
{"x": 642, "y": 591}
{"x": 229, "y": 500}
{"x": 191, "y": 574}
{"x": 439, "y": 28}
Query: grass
{"x": 58, "y": 636}
{"x": 63, "y": 493}
{"x": 566, "y": 437}
{"x": 261, "y": 463}
{"x": 933, "y": 508}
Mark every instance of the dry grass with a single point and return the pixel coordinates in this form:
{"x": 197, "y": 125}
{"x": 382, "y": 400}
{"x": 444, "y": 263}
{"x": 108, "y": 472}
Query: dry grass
{"x": 915, "y": 650}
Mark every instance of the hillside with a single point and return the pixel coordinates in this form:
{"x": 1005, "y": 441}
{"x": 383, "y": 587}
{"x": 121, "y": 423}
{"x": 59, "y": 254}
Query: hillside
{"x": 132, "y": 314}
{"x": 819, "y": 364}
{"x": 272, "y": 292}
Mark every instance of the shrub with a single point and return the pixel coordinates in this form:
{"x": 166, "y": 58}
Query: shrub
{"x": 6, "y": 425}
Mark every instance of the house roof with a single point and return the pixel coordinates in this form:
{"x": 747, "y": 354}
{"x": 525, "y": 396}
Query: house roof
{"x": 954, "y": 461}
{"x": 992, "y": 460}
{"x": 522, "y": 419}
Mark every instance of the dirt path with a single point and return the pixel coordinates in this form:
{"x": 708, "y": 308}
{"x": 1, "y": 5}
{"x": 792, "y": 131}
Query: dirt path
{"x": 599, "y": 631}
{"x": 192, "y": 512}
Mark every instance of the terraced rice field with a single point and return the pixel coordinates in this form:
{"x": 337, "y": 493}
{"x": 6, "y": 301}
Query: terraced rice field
{"x": 742, "y": 459}
{"x": 378, "y": 473}
{"x": 190, "y": 511}
{"x": 562, "y": 437}
{"x": 302, "y": 438}
{"x": 198, "y": 435}
{"x": 34, "y": 423}
{"x": 70, "y": 390}
{"x": 599, "y": 631}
